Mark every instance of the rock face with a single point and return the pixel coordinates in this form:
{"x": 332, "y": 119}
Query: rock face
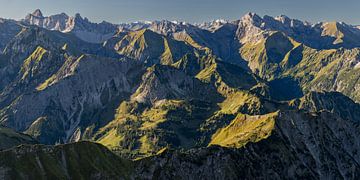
{"x": 54, "y": 22}
{"x": 90, "y": 32}
{"x": 64, "y": 100}
{"x": 81, "y": 27}
{"x": 163, "y": 82}
{"x": 326, "y": 35}
{"x": 39, "y": 64}
{"x": 328, "y": 70}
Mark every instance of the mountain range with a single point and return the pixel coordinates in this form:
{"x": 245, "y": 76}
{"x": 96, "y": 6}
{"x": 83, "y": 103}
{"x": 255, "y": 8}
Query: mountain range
{"x": 259, "y": 97}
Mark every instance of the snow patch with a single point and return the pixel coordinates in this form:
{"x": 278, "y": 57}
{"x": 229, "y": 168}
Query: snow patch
{"x": 221, "y": 21}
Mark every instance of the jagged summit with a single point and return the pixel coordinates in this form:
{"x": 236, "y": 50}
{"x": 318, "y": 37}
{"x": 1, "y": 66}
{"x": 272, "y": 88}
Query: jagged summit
{"x": 37, "y": 13}
{"x": 250, "y": 17}
{"x": 251, "y": 14}
{"x": 80, "y": 18}
{"x": 81, "y": 27}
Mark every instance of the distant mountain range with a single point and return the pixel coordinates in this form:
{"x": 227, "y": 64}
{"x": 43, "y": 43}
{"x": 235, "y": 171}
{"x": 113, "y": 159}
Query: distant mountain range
{"x": 327, "y": 35}
{"x": 240, "y": 99}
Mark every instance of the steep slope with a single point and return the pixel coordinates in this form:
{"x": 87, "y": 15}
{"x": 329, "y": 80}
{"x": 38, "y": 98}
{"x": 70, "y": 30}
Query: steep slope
{"x": 35, "y": 54}
{"x": 80, "y": 27}
{"x": 244, "y": 129}
{"x": 151, "y": 48}
{"x": 9, "y": 138}
{"x": 8, "y": 30}
{"x": 164, "y": 82}
{"x": 213, "y": 25}
{"x": 342, "y": 35}
{"x": 172, "y": 108}
{"x": 266, "y": 56}
{"x": 296, "y": 144}
{"x": 328, "y": 70}
{"x": 226, "y": 77}
{"x": 166, "y": 110}
{"x": 281, "y": 60}
{"x": 167, "y": 28}
{"x": 301, "y": 145}
{"x": 324, "y": 35}
{"x": 35, "y": 68}
{"x": 220, "y": 41}
{"x": 90, "y": 32}
{"x": 72, "y": 161}
{"x": 333, "y": 102}
{"x": 54, "y": 22}
{"x": 66, "y": 105}
{"x": 191, "y": 64}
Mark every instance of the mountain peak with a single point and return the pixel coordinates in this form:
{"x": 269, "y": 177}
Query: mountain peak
{"x": 282, "y": 18}
{"x": 37, "y": 13}
{"x": 251, "y": 15}
{"x": 78, "y": 16}
{"x": 251, "y": 18}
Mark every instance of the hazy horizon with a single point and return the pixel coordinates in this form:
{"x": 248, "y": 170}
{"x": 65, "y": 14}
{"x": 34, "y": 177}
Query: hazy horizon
{"x": 195, "y": 11}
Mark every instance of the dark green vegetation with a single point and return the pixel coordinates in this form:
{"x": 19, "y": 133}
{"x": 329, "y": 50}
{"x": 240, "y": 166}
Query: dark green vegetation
{"x": 241, "y": 99}
{"x": 9, "y": 138}
{"x": 72, "y": 161}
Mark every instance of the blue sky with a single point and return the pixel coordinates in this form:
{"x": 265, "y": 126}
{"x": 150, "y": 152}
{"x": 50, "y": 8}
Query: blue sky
{"x": 118, "y": 11}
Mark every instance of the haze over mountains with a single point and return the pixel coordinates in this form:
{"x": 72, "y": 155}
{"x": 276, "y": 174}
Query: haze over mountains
{"x": 224, "y": 100}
